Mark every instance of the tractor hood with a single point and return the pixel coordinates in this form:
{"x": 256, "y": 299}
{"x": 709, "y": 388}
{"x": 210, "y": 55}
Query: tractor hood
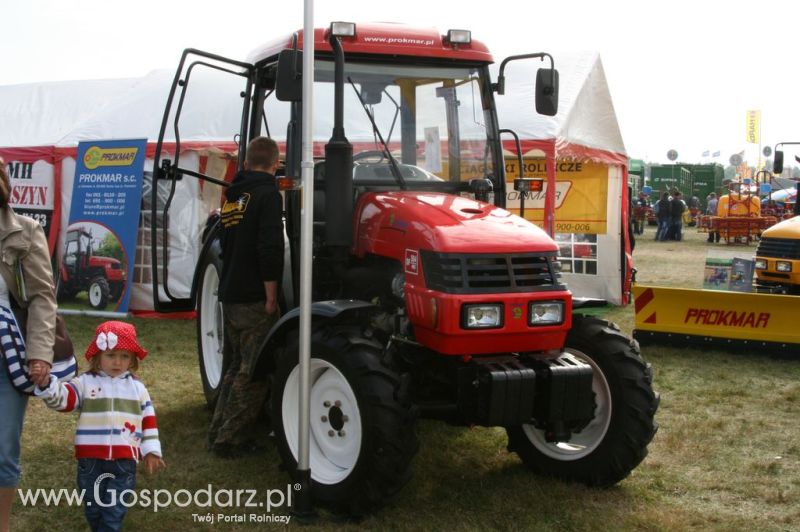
{"x": 786, "y": 229}
{"x": 101, "y": 261}
{"x": 388, "y": 223}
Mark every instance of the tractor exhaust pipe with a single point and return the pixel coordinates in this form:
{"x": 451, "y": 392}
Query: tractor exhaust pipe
{"x": 338, "y": 165}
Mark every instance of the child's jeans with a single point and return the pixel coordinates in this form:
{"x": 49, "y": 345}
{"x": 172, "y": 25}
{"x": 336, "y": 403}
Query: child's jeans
{"x": 104, "y": 482}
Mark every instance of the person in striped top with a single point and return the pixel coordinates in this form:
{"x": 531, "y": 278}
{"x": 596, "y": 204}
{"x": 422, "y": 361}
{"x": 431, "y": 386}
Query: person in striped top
{"x": 117, "y": 424}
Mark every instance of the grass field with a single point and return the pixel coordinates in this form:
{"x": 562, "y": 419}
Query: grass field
{"x": 726, "y": 457}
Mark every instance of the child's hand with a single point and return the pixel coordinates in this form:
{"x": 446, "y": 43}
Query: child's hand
{"x": 49, "y": 390}
{"x": 152, "y": 463}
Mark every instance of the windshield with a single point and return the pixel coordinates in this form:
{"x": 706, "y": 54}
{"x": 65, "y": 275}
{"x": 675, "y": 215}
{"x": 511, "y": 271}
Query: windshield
{"x": 431, "y": 117}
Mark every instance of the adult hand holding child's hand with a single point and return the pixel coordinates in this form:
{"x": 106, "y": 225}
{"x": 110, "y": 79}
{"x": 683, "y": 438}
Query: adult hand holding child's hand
{"x": 39, "y": 373}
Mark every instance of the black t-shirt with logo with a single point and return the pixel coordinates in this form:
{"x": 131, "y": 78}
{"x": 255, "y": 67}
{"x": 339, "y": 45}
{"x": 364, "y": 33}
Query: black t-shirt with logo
{"x": 252, "y": 237}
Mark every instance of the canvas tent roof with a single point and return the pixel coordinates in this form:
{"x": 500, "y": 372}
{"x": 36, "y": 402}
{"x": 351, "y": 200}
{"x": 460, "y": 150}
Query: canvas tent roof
{"x": 138, "y": 113}
{"x": 586, "y": 117}
{"x": 40, "y": 114}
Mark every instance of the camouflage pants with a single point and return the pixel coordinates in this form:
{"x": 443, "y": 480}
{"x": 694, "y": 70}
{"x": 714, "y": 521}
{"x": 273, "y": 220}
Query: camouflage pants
{"x": 240, "y": 399}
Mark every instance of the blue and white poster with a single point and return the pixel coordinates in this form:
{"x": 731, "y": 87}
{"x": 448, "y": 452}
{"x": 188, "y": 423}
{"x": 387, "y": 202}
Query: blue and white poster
{"x": 96, "y": 264}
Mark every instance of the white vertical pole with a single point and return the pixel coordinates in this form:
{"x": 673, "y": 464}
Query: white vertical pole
{"x": 306, "y": 240}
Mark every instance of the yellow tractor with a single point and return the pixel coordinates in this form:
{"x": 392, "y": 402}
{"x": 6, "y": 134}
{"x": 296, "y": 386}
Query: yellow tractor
{"x": 777, "y": 262}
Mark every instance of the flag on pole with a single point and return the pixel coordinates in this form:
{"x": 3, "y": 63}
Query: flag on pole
{"x": 753, "y": 131}
{"x": 705, "y": 153}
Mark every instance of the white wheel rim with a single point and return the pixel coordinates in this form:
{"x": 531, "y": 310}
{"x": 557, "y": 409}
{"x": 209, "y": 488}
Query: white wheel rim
{"x": 95, "y": 294}
{"x": 335, "y": 437}
{"x": 212, "y": 338}
{"x": 581, "y": 443}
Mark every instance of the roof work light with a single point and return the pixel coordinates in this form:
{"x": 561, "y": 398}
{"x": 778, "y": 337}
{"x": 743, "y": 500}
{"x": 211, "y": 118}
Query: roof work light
{"x": 459, "y": 36}
{"x": 343, "y": 29}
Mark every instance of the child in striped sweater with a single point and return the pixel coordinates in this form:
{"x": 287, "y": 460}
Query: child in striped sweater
{"x": 117, "y": 423}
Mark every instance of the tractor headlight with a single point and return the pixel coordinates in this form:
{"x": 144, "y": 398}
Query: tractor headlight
{"x": 761, "y": 264}
{"x": 545, "y": 312}
{"x": 482, "y": 316}
{"x": 783, "y": 266}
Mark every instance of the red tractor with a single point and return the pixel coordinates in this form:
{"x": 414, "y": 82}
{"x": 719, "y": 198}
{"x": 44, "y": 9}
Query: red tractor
{"x": 431, "y": 299}
{"x": 103, "y": 278}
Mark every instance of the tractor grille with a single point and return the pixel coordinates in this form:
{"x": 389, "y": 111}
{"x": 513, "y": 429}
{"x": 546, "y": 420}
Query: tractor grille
{"x": 478, "y": 273}
{"x": 779, "y": 248}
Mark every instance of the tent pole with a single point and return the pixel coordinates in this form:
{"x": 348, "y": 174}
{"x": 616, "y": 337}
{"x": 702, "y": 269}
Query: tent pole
{"x": 549, "y": 220}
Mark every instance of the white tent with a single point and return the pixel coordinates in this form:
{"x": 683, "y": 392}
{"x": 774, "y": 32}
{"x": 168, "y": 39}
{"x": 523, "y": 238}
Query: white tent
{"x": 585, "y": 129}
{"x": 585, "y": 133}
{"x": 35, "y": 117}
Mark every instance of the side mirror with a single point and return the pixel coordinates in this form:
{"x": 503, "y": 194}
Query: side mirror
{"x": 547, "y": 91}
{"x": 289, "y": 83}
{"x": 372, "y": 93}
{"x": 777, "y": 163}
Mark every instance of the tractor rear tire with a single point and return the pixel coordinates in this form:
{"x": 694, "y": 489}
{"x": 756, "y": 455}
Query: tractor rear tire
{"x": 64, "y": 292}
{"x": 98, "y": 292}
{"x": 363, "y": 426}
{"x": 210, "y": 325}
{"x": 615, "y": 441}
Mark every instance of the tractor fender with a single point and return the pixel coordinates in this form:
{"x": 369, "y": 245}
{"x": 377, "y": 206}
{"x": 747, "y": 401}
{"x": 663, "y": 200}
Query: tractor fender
{"x": 322, "y": 313}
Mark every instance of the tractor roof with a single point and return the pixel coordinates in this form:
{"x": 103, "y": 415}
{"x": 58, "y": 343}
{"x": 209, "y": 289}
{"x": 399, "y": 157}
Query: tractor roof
{"x": 382, "y": 38}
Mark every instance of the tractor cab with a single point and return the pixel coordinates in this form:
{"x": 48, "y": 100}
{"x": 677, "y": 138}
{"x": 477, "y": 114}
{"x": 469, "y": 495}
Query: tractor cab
{"x": 77, "y": 250}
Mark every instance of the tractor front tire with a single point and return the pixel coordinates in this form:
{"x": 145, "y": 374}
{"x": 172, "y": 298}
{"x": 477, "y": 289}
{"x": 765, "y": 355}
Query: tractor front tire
{"x": 210, "y": 325}
{"x": 615, "y": 441}
{"x": 98, "y": 292}
{"x": 363, "y": 426}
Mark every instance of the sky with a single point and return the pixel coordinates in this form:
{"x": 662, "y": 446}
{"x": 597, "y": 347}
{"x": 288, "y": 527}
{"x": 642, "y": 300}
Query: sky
{"x": 682, "y": 74}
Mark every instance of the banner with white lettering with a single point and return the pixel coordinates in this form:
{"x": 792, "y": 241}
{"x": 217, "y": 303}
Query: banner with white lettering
{"x": 33, "y": 187}
{"x": 100, "y": 242}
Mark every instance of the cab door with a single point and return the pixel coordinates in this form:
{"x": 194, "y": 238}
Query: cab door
{"x": 211, "y": 100}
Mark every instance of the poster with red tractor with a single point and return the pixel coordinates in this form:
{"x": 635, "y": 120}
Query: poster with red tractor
{"x": 95, "y": 263}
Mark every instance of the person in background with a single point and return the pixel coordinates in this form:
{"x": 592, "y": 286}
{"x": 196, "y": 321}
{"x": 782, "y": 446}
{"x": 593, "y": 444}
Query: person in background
{"x": 711, "y": 210}
{"x": 676, "y": 208}
{"x": 662, "y": 209}
{"x": 631, "y": 219}
{"x": 252, "y": 265}
{"x": 640, "y": 213}
{"x": 25, "y": 277}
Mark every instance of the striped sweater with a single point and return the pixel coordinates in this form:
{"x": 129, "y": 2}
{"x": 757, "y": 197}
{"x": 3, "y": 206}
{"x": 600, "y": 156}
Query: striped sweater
{"x": 117, "y": 420}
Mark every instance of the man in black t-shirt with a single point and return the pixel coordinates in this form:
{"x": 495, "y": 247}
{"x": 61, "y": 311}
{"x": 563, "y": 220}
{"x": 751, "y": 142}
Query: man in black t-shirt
{"x": 676, "y": 208}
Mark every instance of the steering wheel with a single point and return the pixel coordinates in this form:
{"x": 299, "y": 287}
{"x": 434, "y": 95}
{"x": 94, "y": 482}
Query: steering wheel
{"x": 372, "y": 156}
